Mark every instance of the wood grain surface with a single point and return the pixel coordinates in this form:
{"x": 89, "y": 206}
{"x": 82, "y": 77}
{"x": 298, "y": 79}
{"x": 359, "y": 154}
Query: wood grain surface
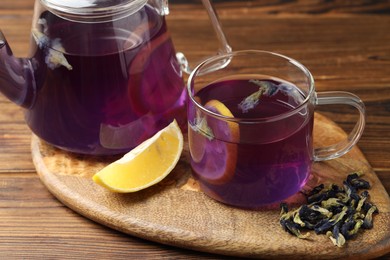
{"x": 176, "y": 212}
{"x": 345, "y": 44}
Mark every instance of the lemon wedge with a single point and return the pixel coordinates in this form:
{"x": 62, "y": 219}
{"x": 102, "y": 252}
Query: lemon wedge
{"x": 145, "y": 165}
{"x": 207, "y": 149}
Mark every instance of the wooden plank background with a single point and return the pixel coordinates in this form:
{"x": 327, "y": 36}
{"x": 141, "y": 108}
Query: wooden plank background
{"x": 345, "y": 44}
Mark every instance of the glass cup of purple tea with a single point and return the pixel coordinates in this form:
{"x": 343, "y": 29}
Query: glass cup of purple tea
{"x": 250, "y": 127}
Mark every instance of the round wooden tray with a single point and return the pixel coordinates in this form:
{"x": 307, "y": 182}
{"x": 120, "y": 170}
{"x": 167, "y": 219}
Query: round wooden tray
{"x": 175, "y": 212}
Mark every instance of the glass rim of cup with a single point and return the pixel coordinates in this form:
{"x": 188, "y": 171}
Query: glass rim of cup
{"x": 226, "y": 56}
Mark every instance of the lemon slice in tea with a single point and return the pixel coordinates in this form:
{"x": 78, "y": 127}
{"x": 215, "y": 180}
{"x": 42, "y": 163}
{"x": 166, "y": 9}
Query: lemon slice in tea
{"x": 145, "y": 165}
{"x": 213, "y": 156}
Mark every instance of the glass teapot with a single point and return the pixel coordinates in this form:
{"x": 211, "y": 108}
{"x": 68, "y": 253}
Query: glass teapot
{"x": 102, "y": 75}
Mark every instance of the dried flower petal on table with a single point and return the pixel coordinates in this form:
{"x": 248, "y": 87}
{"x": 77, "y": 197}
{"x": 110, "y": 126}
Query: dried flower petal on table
{"x": 338, "y": 212}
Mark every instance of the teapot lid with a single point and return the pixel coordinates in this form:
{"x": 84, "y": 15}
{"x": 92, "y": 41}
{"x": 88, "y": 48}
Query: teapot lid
{"x": 93, "y": 10}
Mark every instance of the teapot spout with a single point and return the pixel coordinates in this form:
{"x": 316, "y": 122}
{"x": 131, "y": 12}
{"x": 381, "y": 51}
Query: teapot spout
{"x": 16, "y": 76}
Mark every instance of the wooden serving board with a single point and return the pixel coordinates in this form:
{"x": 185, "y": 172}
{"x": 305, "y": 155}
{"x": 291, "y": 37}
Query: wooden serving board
{"x": 175, "y": 212}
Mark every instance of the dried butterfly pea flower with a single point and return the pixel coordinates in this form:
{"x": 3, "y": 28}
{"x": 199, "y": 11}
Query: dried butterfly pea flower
{"x": 331, "y": 202}
{"x": 309, "y": 216}
{"x": 323, "y": 226}
{"x": 293, "y": 228}
{"x": 284, "y": 213}
{"x": 347, "y": 227}
{"x": 352, "y": 223}
{"x": 323, "y": 193}
{"x": 354, "y": 181}
{"x": 358, "y": 215}
{"x": 337, "y": 238}
{"x": 351, "y": 191}
{"x": 283, "y": 208}
{"x": 321, "y": 210}
{"x": 316, "y": 190}
{"x": 363, "y": 197}
{"x": 367, "y": 205}
{"x": 317, "y": 198}
{"x": 251, "y": 101}
{"x": 329, "y": 223}
{"x": 297, "y": 219}
{"x": 367, "y": 224}
{"x": 340, "y": 212}
{"x": 289, "y": 225}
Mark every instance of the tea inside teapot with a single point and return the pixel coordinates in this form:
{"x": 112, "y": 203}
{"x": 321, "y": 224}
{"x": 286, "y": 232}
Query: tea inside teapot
{"x": 104, "y": 85}
{"x": 102, "y": 76}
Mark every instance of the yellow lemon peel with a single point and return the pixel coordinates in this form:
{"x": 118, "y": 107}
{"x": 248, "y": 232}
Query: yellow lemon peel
{"x": 145, "y": 165}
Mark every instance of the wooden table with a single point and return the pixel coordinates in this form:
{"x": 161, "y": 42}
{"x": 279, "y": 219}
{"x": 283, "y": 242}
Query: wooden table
{"x": 345, "y": 44}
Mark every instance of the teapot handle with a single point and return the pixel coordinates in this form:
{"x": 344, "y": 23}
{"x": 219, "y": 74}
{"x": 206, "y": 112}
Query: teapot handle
{"x": 224, "y": 46}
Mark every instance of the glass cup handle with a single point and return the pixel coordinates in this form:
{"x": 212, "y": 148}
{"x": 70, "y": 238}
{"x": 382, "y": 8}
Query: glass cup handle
{"x": 224, "y": 46}
{"x": 341, "y": 148}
